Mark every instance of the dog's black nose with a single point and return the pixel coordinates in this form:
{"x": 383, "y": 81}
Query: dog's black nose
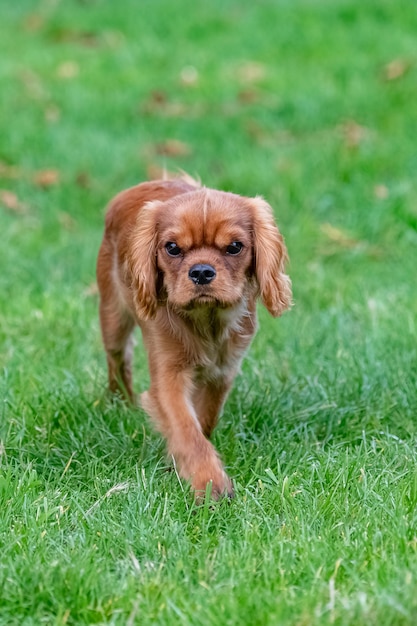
{"x": 202, "y": 274}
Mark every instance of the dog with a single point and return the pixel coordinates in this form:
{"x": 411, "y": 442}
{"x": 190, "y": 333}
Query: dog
{"x": 187, "y": 264}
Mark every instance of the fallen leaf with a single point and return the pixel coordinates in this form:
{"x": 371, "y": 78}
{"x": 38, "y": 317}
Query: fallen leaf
{"x": 381, "y": 192}
{"x": 91, "y": 290}
{"x": 113, "y": 38}
{"x": 9, "y": 171}
{"x": 87, "y": 39}
{"x": 353, "y": 133}
{"x": 32, "y": 84}
{"x": 158, "y": 97}
{"x": 338, "y": 236}
{"x": 33, "y": 23}
{"x": 396, "y": 69}
{"x": 172, "y": 148}
{"x": 84, "y": 38}
{"x": 248, "y": 96}
{"x": 83, "y": 180}
{"x": 158, "y": 102}
{"x": 156, "y": 172}
{"x": 52, "y": 114}
{"x": 10, "y": 201}
{"x": 255, "y": 130}
{"x": 67, "y": 221}
{"x": 251, "y": 72}
{"x": 176, "y": 109}
{"x": 189, "y": 76}
{"x": 46, "y": 178}
{"x": 68, "y": 70}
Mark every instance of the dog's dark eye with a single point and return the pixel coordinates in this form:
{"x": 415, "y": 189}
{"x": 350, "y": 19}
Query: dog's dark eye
{"x": 234, "y": 248}
{"x": 172, "y": 248}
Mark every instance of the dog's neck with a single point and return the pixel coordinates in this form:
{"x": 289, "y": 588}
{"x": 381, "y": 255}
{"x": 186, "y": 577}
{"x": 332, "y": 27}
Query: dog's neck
{"x": 212, "y": 337}
{"x": 212, "y": 324}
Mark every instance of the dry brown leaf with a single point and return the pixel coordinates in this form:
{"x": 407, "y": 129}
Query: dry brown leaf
{"x": 255, "y": 130}
{"x": 87, "y": 39}
{"x": 67, "y": 221}
{"x": 52, "y": 114}
{"x": 381, "y": 192}
{"x": 68, "y": 70}
{"x": 156, "y": 172}
{"x": 251, "y": 72}
{"x": 84, "y": 38}
{"x": 248, "y": 96}
{"x": 9, "y": 171}
{"x": 338, "y": 236}
{"x": 173, "y": 148}
{"x": 33, "y": 23}
{"x": 46, "y": 178}
{"x": 396, "y": 69}
{"x": 10, "y": 201}
{"x": 158, "y": 102}
{"x": 83, "y": 180}
{"x": 175, "y": 109}
{"x": 170, "y": 109}
{"x": 91, "y": 290}
{"x": 113, "y": 38}
{"x": 353, "y": 133}
{"x": 158, "y": 97}
{"x": 32, "y": 84}
{"x": 189, "y": 76}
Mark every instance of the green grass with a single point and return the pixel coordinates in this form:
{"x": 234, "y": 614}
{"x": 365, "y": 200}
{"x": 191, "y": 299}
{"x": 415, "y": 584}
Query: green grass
{"x": 298, "y": 101}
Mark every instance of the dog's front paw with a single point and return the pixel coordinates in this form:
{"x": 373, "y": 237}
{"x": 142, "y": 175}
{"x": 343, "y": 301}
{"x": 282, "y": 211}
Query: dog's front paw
{"x": 213, "y": 481}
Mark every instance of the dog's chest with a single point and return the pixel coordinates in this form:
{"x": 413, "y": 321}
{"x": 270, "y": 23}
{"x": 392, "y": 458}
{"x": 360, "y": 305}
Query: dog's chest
{"x": 217, "y": 366}
{"x": 219, "y": 339}
{"x": 220, "y": 360}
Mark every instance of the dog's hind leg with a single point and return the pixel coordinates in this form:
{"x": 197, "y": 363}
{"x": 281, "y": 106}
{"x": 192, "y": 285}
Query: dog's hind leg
{"x": 116, "y": 328}
{"x": 118, "y": 341}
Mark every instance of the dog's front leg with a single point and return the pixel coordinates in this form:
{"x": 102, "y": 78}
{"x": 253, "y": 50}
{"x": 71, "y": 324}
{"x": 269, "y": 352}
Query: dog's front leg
{"x": 208, "y": 400}
{"x": 169, "y": 403}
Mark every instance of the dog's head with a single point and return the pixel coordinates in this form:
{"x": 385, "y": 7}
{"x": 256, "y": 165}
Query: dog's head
{"x": 208, "y": 248}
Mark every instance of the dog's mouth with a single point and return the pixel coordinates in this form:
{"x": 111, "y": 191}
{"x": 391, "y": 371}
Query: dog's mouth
{"x": 207, "y": 300}
{"x": 204, "y": 298}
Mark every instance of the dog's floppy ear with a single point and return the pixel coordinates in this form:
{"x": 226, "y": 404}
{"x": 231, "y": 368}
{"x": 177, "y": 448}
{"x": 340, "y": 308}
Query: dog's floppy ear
{"x": 270, "y": 256}
{"x": 143, "y": 262}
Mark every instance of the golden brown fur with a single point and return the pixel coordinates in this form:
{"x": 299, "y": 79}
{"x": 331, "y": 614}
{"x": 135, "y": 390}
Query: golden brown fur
{"x": 194, "y": 300}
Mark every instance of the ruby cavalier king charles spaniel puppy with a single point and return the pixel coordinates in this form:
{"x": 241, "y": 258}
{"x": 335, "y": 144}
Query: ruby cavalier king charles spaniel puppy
{"x": 187, "y": 264}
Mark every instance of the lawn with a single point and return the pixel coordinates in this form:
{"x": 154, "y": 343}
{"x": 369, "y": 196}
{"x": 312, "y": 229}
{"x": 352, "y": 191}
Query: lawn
{"x": 311, "y": 104}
